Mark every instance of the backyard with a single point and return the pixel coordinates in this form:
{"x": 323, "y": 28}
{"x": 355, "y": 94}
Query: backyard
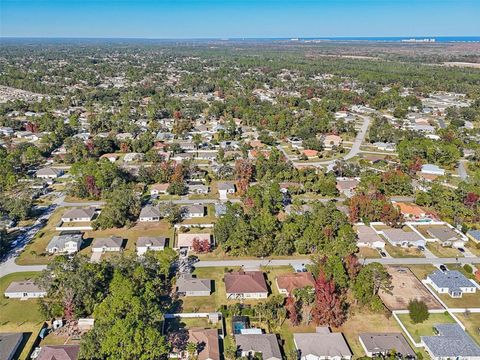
{"x": 425, "y": 328}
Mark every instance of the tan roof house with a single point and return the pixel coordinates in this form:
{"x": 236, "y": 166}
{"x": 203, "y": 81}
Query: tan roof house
{"x": 207, "y": 343}
{"x": 286, "y": 283}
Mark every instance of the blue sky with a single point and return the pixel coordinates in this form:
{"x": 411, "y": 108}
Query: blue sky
{"x": 238, "y": 18}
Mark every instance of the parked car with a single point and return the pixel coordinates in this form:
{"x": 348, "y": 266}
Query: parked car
{"x": 421, "y": 248}
{"x": 462, "y": 250}
{"x": 383, "y": 254}
{"x": 443, "y": 267}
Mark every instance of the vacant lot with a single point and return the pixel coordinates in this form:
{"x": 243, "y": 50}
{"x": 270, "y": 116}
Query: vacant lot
{"x": 443, "y": 252}
{"x": 365, "y": 252}
{"x": 425, "y": 328}
{"x": 406, "y": 287}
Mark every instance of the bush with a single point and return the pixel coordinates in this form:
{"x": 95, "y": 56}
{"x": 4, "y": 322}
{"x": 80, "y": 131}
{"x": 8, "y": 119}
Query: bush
{"x": 468, "y": 268}
{"x": 418, "y": 311}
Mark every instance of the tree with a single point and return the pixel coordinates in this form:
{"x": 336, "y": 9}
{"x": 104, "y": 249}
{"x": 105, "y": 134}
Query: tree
{"x": 201, "y": 246}
{"x": 370, "y": 280}
{"x": 418, "y": 311}
{"x": 292, "y": 311}
{"x": 122, "y": 208}
{"x": 329, "y": 306}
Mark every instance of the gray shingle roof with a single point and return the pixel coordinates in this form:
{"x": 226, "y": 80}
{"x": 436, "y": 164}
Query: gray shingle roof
{"x": 266, "y": 344}
{"x": 151, "y": 241}
{"x": 452, "y": 279}
{"x": 322, "y": 344}
{"x": 452, "y": 342}
{"x": 60, "y": 240}
{"x": 109, "y": 242}
{"x": 189, "y": 283}
{"x": 475, "y": 234}
{"x": 9, "y": 343}
{"x": 23, "y": 286}
{"x": 149, "y": 212}
{"x": 385, "y": 342}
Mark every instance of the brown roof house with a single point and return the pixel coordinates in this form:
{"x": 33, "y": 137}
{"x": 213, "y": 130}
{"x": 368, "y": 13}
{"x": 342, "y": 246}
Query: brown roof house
{"x": 286, "y": 283}
{"x": 347, "y": 186}
{"x": 59, "y": 352}
{"x": 246, "y": 285}
{"x": 208, "y": 347}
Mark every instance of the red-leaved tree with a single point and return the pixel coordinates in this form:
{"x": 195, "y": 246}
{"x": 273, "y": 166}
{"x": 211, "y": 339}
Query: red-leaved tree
{"x": 200, "y": 246}
{"x": 329, "y": 307}
{"x": 292, "y": 311}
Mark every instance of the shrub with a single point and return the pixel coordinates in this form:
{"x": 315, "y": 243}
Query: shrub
{"x": 468, "y": 268}
{"x": 418, "y": 311}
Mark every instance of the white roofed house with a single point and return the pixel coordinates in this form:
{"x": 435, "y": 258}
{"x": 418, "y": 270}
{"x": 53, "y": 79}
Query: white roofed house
{"x": 79, "y": 215}
{"x": 150, "y": 243}
{"x": 107, "y": 244}
{"x": 149, "y": 213}
{"x": 432, "y": 169}
{"x": 25, "y": 289}
{"x": 65, "y": 244}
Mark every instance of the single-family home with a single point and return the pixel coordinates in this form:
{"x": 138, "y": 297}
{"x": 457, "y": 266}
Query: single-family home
{"x": 265, "y": 344}
{"x": 382, "y": 344}
{"x": 332, "y": 140}
{"x": 49, "y": 173}
{"x": 411, "y": 211}
{"x": 225, "y": 188}
{"x": 194, "y": 211}
{"x": 292, "y": 209}
{"x": 79, "y": 215}
{"x": 6, "y": 131}
{"x": 384, "y": 146}
{"x": 9, "y": 344}
{"x": 295, "y": 142}
{"x": 131, "y": 157}
{"x": 198, "y": 189}
{"x": 110, "y": 157}
{"x": 157, "y": 189}
{"x": 66, "y": 243}
{"x": 188, "y": 285}
{"x": 286, "y": 283}
{"x": 321, "y": 345}
{"x": 245, "y": 285}
{"x": 446, "y": 235}
{"x": 150, "y": 243}
{"x": 451, "y": 342}
{"x": 474, "y": 235}
{"x": 432, "y": 169}
{"x": 208, "y": 347}
{"x": 220, "y": 209}
{"x": 367, "y": 237}
{"x": 451, "y": 282}
{"x": 347, "y": 186}
{"x": 149, "y": 213}
{"x": 185, "y": 240}
{"x": 107, "y": 244}
{"x": 57, "y": 352}
{"x": 25, "y": 289}
{"x": 399, "y": 237}
{"x": 309, "y": 153}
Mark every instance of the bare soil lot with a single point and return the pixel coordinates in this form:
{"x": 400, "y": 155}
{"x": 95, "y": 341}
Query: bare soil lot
{"x": 406, "y": 287}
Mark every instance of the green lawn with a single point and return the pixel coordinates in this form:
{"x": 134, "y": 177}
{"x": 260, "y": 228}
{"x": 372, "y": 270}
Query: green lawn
{"x": 400, "y": 252}
{"x": 466, "y": 301}
{"x": 368, "y": 253}
{"x": 20, "y": 315}
{"x": 425, "y": 328}
{"x": 443, "y": 252}
{"x": 421, "y": 271}
{"x": 472, "y": 324}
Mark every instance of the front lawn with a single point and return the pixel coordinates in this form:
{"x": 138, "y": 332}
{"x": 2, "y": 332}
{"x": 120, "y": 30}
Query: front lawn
{"x": 472, "y": 324}
{"x": 368, "y": 253}
{"x": 425, "y": 328}
{"x": 443, "y": 252}
{"x": 400, "y": 252}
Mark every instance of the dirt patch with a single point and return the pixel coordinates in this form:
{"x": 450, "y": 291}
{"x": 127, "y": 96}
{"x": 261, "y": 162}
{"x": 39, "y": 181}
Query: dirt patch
{"x": 406, "y": 287}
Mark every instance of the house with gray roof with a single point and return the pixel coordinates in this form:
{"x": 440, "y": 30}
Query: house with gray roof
{"x": 65, "y": 244}
{"x": 49, "y": 173}
{"x": 382, "y": 344}
{"x": 188, "y": 285}
{"x": 79, "y": 215}
{"x": 367, "y": 237}
{"x": 445, "y": 235}
{"x": 9, "y": 344}
{"x": 265, "y": 344}
{"x": 149, "y": 213}
{"x": 474, "y": 235}
{"x": 452, "y": 342}
{"x": 399, "y": 237}
{"x": 452, "y": 282}
{"x": 25, "y": 289}
{"x": 220, "y": 209}
{"x": 322, "y": 344}
{"x": 152, "y": 243}
{"x": 194, "y": 211}
{"x": 107, "y": 244}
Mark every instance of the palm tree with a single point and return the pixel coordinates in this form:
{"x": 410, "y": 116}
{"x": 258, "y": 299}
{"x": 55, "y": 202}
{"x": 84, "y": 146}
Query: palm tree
{"x": 192, "y": 350}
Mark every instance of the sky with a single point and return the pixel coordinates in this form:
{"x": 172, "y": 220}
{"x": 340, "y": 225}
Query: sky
{"x": 166, "y": 19}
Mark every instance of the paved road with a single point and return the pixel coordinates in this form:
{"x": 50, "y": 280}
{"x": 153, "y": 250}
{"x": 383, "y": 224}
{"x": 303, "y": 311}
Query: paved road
{"x": 185, "y": 201}
{"x": 9, "y": 267}
{"x": 297, "y": 261}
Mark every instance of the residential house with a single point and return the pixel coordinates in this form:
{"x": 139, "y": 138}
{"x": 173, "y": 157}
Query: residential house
{"x": 246, "y": 285}
{"x": 187, "y": 285}
{"x": 383, "y": 146}
{"x": 474, "y": 235}
{"x": 329, "y": 141}
{"x": 225, "y": 188}
{"x": 367, "y": 237}
{"x": 9, "y": 344}
{"x": 208, "y": 347}
{"x": 194, "y": 211}
{"x": 432, "y": 169}
{"x": 297, "y": 209}
{"x": 157, "y": 189}
{"x": 220, "y": 209}
{"x": 411, "y": 211}
{"x": 131, "y": 157}
{"x": 150, "y": 243}
{"x": 107, "y": 244}
{"x": 198, "y": 189}
{"x": 26, "y": 289}
{"x": 59, "y": 352}
{"x": 446, "y": 235}
{"x": 110, "y": 157}
{"x": 452, "y": 282}
{"x": 309, "y": 153}
{"x": 79, "y": 215}
{"x": 382, "y": 344}
{"x": 266, "y": 344}
{"x": 295, "y": 142}
{"x": 49, "y": 173}
{"x": 451, "y": 342}
{"x": 6, "y": 131}
{"x": 322, "y": 344}
{"x": 66, "y": 243}
{"x": 347, "y": 186}
{"x": 149, "y": 213}
{"x": 286, "y": 283}
{"x": 185, "y": 240}
{"x": 399, "y": 237}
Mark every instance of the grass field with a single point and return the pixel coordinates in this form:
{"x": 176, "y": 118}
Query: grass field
{"x": 472, "y": 324}
{"x": 466, "y": 301}
{"x": 421, "y": 271}
{"x": 400, "y": 252}
{"x": 20, "y": 315}
{"x": 425, "y": 328}
{"x": 368, "y": 253}
{"x": 443, "y": 252}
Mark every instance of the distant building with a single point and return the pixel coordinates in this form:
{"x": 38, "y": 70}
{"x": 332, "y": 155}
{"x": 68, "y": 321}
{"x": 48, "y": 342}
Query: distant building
{"x": 432, "y": 169}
